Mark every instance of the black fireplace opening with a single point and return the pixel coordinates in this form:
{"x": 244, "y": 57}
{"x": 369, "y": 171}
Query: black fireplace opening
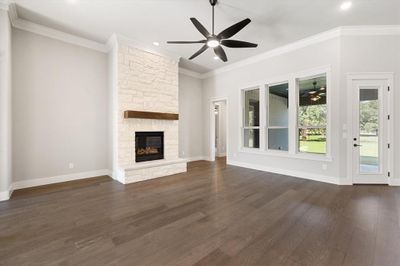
{"x": 149, "y": 146}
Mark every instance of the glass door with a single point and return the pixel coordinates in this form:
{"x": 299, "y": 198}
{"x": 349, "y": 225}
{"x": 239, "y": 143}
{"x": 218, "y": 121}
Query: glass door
{"x": 369, "y": 133}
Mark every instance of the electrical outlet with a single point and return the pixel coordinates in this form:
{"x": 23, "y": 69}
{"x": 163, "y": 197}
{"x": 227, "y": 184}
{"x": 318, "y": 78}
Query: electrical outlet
{"x": 71, "y": 165}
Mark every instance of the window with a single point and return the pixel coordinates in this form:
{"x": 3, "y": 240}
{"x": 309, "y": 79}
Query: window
{"x": 278, "y": 116}
{"x": 251, "y": 123}
{"x": 312, "y": 114}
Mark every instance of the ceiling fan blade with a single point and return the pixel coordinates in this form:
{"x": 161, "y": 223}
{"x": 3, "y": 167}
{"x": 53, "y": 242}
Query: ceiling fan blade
{"x": 232, "y": 30}
{"x": 219, "y": 51}
{"x": 238, "y": 44}
{"x": 186, "y": 42}
{"x": 200, "y": 27}
{"x": 202, "y": 49}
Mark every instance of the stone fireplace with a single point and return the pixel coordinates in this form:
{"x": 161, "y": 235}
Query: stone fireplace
{"x": 149, "y": 146}
{"x": 144, "y": 82}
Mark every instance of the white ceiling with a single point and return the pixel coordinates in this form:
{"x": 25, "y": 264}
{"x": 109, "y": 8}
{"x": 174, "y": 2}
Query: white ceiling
{"x": 274, "y": 22}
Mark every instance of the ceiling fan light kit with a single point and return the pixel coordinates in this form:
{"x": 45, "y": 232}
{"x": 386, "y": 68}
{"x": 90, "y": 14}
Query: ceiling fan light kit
{"x": 216, "y": 41}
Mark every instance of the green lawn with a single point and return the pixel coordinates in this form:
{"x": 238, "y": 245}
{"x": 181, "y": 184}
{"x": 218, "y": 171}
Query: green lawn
{"x": 314, "y": 144}
{"x": 369, "y": 150}
{"x": 369, "y": 147}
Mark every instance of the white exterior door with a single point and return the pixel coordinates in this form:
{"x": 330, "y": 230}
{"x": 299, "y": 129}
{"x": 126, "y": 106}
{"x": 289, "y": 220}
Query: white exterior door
{"x": 370, "y": 134}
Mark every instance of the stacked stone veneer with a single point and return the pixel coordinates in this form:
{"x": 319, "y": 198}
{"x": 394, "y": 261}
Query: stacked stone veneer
{"x": 147, "y": 82}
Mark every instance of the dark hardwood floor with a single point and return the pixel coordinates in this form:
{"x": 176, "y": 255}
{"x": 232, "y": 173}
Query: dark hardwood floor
{"x": 212, "y": 215}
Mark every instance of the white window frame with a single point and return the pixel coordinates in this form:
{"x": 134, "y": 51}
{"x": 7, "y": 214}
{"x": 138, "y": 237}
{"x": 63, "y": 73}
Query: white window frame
{"x": 309, "y": 75}
{"x": 242, "y": 117}
{"x": 293, "y": 117}
{"x": 267, "y": 126}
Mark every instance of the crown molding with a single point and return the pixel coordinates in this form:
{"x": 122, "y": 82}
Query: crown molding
{"x": 324, "y": 36}
{"x": 4, "y": 5}
{"x": 118, "y": 38}
{"x": 112, "y": 42}
{"x": 115, "y": 38}
{"x": 29, "y": 26}
{"x": 370, "y": 30}
{"x": 190, "y": 73}
{"x": 12, "y": 12}
{"x": 58, "y": 35}
{"x": 321, "y": 37}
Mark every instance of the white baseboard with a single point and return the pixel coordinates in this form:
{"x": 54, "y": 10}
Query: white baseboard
{"x": 5, "y": 195}
{"x": 58, "y": 179}
{"x": 299, "y": 174}
{"x": 394, "y": 182}
{"x": 197, "y": 158}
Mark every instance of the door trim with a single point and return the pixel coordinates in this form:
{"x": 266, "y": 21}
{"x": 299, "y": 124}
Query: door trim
{"x": 389, "y": 100}
{"x": 212, "y": 127}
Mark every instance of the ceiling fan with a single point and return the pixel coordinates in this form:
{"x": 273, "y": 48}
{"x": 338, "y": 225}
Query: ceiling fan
{"x": 215, "y": 41}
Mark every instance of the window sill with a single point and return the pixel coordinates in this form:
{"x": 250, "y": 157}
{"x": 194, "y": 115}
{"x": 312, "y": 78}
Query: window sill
{"x": 284, "y": 154}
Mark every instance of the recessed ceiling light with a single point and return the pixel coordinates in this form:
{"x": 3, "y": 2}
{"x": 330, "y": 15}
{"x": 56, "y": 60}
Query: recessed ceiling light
{"x": 346, "y": 5}
{"x": 156, "y": 43}
{"x": 216, "y": 57}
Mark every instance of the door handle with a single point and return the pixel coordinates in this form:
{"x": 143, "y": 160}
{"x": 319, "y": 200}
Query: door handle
{"x": 357, "y": 145}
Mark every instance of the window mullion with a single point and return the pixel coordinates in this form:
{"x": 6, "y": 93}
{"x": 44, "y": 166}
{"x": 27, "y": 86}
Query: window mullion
{"x": 263, "y": 117}
{"x": 292, "y": 115}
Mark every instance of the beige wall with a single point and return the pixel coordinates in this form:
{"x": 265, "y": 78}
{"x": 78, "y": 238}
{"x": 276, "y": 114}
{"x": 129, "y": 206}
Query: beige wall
{"x": 5, "y": 105}
{"x": 60, "y": 108}
{"x": 190, "y": 117}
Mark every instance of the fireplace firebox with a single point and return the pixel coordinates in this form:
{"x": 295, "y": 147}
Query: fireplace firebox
{"x": 149, "y": 146}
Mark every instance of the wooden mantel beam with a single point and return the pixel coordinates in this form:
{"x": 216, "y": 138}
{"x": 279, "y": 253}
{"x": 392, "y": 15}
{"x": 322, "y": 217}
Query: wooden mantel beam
{"x": 150, "y": 115}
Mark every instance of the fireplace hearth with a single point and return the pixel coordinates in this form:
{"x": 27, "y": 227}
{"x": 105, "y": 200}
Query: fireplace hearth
{"x": 149, "y": 146}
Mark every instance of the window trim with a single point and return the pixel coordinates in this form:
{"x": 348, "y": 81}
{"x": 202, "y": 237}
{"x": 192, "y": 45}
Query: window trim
{"x": 291, "y": 78}
{"x": 242, "y": 117}
{"x": 267, "y": 116}
{"x": 309, "y": 75}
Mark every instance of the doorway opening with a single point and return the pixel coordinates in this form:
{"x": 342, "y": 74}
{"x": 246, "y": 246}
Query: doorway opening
{"x": 218, "y": 127}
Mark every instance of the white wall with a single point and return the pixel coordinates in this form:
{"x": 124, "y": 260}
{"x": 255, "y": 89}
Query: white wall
{"x": 191, "y": 112}
{"x": 60, "y": 108}
{"x": 343, "y": 55}
{"x": 5, "y": 105}
{"x": 228, "y": 84}
{"x": 374, "y": 54}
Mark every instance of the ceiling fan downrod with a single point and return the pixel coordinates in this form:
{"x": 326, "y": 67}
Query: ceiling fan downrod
{"x": 213, "y": 3}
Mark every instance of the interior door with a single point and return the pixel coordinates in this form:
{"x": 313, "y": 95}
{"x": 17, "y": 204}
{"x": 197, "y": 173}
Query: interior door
{"x": 370, "y": 132}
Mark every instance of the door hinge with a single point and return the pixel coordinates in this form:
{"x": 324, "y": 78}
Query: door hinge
{"x": 388, "y": 145}
{"x": 388, "y": 174}
{"x": 388, "y": 117}
{"x": 388, "y": 88}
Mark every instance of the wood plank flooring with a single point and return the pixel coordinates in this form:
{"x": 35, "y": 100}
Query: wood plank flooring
{"x": 212, "y": 215}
